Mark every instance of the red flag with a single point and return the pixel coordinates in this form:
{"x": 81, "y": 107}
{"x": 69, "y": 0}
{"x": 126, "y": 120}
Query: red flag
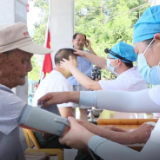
{"x": 27, "y": 7}
{"x": 47, "y": 61}
{"x": 47, "y": 64}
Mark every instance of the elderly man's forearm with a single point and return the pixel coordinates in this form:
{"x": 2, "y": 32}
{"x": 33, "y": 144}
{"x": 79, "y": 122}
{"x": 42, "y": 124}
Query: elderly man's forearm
{"x": 119, "y": 137}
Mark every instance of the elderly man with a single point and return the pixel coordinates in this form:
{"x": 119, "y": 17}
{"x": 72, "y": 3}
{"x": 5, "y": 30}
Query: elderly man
{"x": 16, "y": 51}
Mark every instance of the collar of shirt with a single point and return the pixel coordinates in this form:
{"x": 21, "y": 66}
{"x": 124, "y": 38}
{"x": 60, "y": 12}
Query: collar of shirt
{"x": 125, "y": 73}
{"x": 5, "y": 88}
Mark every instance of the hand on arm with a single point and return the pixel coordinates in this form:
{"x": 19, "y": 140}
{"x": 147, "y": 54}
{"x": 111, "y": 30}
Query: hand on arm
{"x": 105, "y": 132}
{"x": 79, "y": 76}
{"x": 59, "y": 97}
{"x": 96, "y": 129}
{"x": 140, "y": 135}
{"x": 74, "y": 137}
{"x": 96, "y": 60}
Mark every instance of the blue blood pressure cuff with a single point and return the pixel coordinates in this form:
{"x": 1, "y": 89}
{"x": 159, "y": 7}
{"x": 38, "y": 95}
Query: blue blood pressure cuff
{"x": 42, "y": 120}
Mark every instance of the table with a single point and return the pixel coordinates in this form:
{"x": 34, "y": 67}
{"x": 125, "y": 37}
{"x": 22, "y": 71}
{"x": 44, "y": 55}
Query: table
{"x": 120, "y": 118}
{"x": 128, "y": 121}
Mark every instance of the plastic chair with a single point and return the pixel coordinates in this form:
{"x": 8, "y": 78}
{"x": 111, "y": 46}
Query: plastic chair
{"x": 32, "y": 142}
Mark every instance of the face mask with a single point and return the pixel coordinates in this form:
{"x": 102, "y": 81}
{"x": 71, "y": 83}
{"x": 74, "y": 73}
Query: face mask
{"x": 150, "y": 75}
{"x": 110, "y": 67}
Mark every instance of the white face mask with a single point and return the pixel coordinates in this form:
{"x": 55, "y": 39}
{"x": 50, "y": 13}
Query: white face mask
{"x": 150, "y": 75}
{"x": 110, "y": 67}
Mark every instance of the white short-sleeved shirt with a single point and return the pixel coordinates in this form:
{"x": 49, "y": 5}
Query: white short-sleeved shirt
{"x": 154, "y": 94}
{"x": 54, "y": 82}
{"x": 129, "y": 80}
{"x": 11, "y": 107}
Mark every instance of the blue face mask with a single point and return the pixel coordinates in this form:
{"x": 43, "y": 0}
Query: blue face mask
{"x": 110, "y": 67}
{"x": 150, "y": 75}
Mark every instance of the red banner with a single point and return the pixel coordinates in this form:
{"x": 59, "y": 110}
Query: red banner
{"x": 47, "y": 63}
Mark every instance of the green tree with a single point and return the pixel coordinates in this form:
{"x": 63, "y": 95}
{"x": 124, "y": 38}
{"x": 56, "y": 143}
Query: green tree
{"x": 34, "y": 74}
{"x": 40, "y": 27}
{"x": 39, "y": 37}
{"x": 105, "y": 22}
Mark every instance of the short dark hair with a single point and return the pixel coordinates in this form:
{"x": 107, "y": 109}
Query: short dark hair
{"x": 75, "y": 35}
{"x": 64, "y": 53}
{"x": 129, "y": 65}
{"x": 148, "y": 41}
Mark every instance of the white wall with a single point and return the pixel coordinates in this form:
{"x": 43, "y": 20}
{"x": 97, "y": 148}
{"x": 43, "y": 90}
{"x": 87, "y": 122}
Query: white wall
{"x": 12, "y": 11}
{"x": 61, "y": 24}
{"x": 6, "y": 11}
{"x": 154, "y": 2}
{"x": 21, "y": 11}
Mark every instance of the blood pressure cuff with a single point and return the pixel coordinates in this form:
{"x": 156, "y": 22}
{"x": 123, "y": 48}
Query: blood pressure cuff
{"x": 42, "y": 120}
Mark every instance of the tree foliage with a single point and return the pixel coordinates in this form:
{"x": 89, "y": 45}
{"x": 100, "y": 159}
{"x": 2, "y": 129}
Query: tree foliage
{"x": 39, "y": 37}
{"x": 34, "y": 74}
{"x": 105, "y": 22}
{"x": 40, "y": 27}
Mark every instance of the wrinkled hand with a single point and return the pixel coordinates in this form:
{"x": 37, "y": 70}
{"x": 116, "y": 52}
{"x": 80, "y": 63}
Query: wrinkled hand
{"x": 88, "y": 44}
{"x": 77, "y": 136}
{"x": 142, "y": 134}
{"x": 79, "y": 52}
{"x": 113, "y": 128}
{"x": 68, "y": 64}
{"x": 53, "y": 98}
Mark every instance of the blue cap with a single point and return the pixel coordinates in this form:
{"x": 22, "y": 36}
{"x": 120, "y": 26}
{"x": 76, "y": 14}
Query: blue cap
{"x": 125, "y": 51}
{"x": 147, "y": 25}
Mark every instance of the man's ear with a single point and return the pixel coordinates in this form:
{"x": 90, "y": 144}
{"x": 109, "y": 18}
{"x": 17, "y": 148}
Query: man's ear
{"x": 70, "y": 58}
{"x": 0, "y": 57}
{"x": 119, "y": 61}
{"x": 157, "y": 39}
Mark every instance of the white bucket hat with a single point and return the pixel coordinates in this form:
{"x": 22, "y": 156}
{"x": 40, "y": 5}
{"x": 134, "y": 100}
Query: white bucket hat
{"x": 16, "y": 36}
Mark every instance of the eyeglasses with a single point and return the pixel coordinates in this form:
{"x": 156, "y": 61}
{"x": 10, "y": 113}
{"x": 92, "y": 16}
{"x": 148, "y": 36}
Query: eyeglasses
{"x": 116, "y": 55}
